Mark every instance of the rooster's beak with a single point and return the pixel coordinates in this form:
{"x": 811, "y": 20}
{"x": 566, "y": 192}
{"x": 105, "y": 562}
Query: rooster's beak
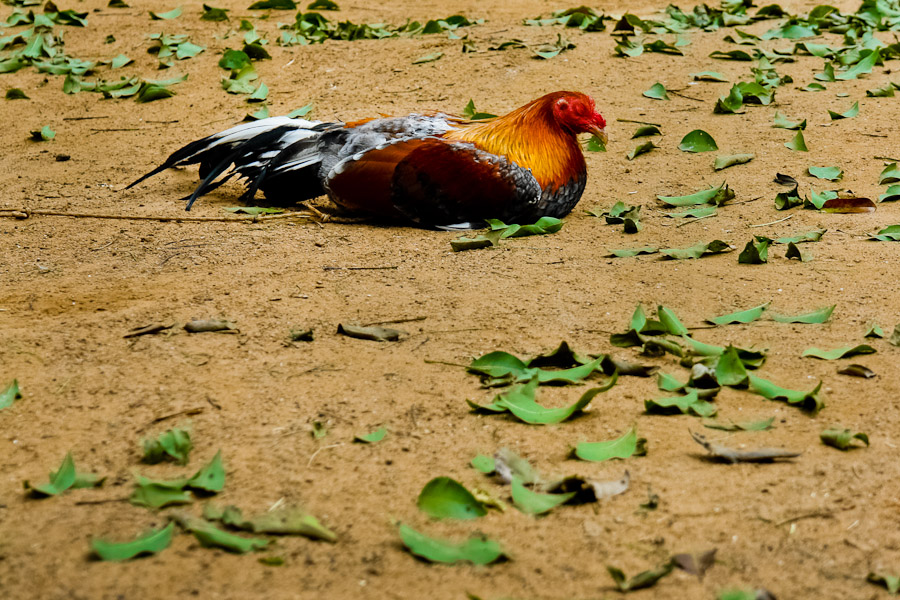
{"x": 600, "y": 134}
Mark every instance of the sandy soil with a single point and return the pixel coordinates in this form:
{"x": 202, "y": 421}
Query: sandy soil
{"x": 72, "y": 287}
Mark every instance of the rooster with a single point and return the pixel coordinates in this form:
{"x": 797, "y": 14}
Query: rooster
{"x": 428, "y": 169}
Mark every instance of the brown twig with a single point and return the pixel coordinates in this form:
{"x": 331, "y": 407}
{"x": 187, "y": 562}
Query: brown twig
{"x": 812, "y": 515}
{"x": 403, "y": 320}
{"x": 694, "y": 220}
{"x": 771, "y": 222}
{"x": 638, "y": 122}
{"x": 26, "y": 213}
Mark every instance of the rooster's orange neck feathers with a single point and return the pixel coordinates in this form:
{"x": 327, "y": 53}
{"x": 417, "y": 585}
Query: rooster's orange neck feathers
{"x": 531, "y": 136}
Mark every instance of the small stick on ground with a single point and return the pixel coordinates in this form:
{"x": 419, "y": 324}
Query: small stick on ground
{"x": 311, "y": 458}
{"x": 401, "y": 320}
{"x": 638, "y": 122}
{"x": 812, "y": 515}
{"x": 26, "y": 213}
{"x": 771, "y": 222}
{"x": 694, "y": 220}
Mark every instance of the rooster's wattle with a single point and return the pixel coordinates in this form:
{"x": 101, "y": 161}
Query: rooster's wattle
{"x": 430, "y": 169}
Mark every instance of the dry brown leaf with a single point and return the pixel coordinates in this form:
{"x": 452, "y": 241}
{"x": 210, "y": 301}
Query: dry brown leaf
{"x": 849, "y": 205}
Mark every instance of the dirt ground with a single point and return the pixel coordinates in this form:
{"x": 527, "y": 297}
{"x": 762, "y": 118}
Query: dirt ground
{"x": 72, "y": 287}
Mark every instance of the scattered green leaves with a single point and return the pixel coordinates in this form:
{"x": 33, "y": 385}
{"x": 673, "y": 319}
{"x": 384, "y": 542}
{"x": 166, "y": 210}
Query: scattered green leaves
{"x": 174, "y": 444}
{"x": 842, "y": 439}
{"x": 476, "y": 550}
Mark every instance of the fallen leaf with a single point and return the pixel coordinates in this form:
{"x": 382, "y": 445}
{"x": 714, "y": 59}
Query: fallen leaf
{"x": 642, "y": 580}
{"x": 624, "y": 447}
{"x": 735, "y": 456}
{"x": 446, "y": 498}
{"x": 817, "y": 316}
{"x": 371, "y": 438}
{"x": 60, "y": 481}
{"x": 783, "y": 122}
{"x": 755, "y": 253}
{"x": 211, "y": 478}
{"x": 375, "y": 333}
{"x": 525, "y": 407}
{"x": 808, "y": 401}
{"x": 845, "y": 352}
{"x": 794, "y": 252}
{"x": 743, "y": 316}
{"x": 10, "y": 394}
{"x": 848, "y": 114}
{"x": 207, "y": 325}
{"x": 697, "y": 250}
{"x": 857, "y": 371}
{"x": 697, "y": 141}
{"x": 842, "y": 439}
{"x": 687, "y": 404}
{"x": 848, "y": 205}
{"x": 874, "y": 330}
{"x": 509, "y": 465}
{"x": 483, "y": 463}
{"x": 428, "y": 58}
{"x": 890, "y": 582}
{"x": 629, "y": 252}
{"x": 211, "y": 536}
{"x": 149, "y": 543}
{"x": 174, "y": 444}
{"x": 828, "y": 173}
{"x": 657, "y": 92}
{"x": 477, "y": 550}
{"x": 798, "y": 143}
{"x": 157, "y": 494}
{"x": 695, "y": 564}
{"x": 641, "y": 149}
{"x": 723, "y": 162}
{"x": 809, "y": 236}
{"x": 717, "y": 195}
{"x": 536, "y": 503}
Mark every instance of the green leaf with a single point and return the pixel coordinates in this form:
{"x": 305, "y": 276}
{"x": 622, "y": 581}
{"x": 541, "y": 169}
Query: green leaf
{"x": 273, "y": 4}
{"x": 428, "y": 58}
{"x": 709, "y": 76}
{"x": 755, "y": 253}
{"x": 642, "y": 580}
{"x": 798, "y": 144}
{"x": 793, "y": 251}
{"x": 253, "y": 210}
{"x": 742, "y": 426}
{"x": 187, "y": 50}
{"x": 172, "y": 14}
{"x": 697, "y": 141}
{"x": 845, "y": 352}
{"x": 234, "y": 60}
{"x": 157, "y": 494}
{"x": 211, "y": 536}
{"x": 696, "y": 251}
{"x": 842, "y": 439}
{"x": 536, "y": 503}
{"x": 473, "y": 114}
{"x": 595, "y": 144}
{"x": 817, "y": 316}
{"x": 629, "y": 252}
{"x": 483, "y": 463}
{"x": 624, "y": 447}
{"x": 809, "y": 236}
{"x": 657, "y": 92}
{"x": 730, "y": 104}
{"x": 641, "y": 149}
{"x": 10, "y": 394}
{"x": 149, "y": 543}
{"x": 723, "y": 162}
{"x": 446, "y": 498}
{"x": 891, "y": 194}
{"x": 740, "y": 594}
{"x": 732, "y": 55}
{"x": 120, "y": 61}
{"x": 646, "y": 130}
{"x": 476, "y": 550}
{"x": 730, "y": 369}
{"x": 829, "y": 173}
{"x": 696, "y": 213}
{"x": 808, "y": 401}
{"x": 862, "y": 67}
{"x": 524, "y": 406}
{"x": 174, "y": 444}
{"x": 670, "y": 321}
{"x": 210, "y": 478}
{"x": 890, "y": 174}
{"x": 886, "y": 91}
{"x": 874, "y": 331}
{"x": 214, "y": 14}
{"x": 813, "y": 87}
{"x": 784, "y": 123}
{"x": 890, "y": 582}
{"x": 44, "y": 134}
{"x": 849, "y": 114}
{"x": 688, "y": 404}
{"x": 60, "y": 481}
{"x": 16, "y": 94}
{"x": 715, "y": 195}
{"x": 371, "y": 438}
{"x": 300, "y": 112}
{"x": 322, "y": 5}
{"x": 149, "y": 92}
{"x": 261, "y": 93}
{"x": 742, "y": 316}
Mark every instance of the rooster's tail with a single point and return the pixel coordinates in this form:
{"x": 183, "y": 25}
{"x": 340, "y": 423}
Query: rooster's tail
{"x": 262, "y": 152}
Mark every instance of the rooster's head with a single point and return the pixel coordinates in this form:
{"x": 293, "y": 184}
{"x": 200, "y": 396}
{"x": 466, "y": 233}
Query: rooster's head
{"x": 576, "y": 113}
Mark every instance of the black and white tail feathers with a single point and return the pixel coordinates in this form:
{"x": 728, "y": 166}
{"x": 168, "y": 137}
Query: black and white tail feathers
{"x": 262, "y": 152}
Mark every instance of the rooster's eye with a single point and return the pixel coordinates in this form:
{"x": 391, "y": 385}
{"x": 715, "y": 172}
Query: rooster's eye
{"x": 563, "y": 104}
